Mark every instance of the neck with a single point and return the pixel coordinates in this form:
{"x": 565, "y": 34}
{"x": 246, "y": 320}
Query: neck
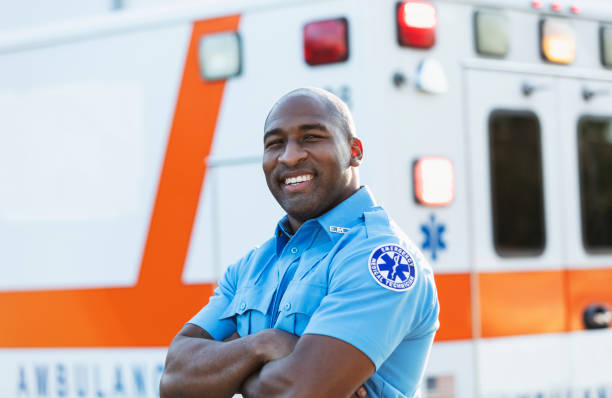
{"x": 295, "y": 223}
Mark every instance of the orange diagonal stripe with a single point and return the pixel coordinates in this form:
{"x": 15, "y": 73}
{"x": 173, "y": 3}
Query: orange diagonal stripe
{"x": 150, "y": 313}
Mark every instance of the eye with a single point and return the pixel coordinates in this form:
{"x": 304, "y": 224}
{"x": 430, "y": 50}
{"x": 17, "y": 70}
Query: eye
{"x": 273, "y": 143}
{"x": 312, "y": 137}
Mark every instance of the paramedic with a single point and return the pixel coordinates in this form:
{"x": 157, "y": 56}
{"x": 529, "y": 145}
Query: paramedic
{"x": 338, "y": 298}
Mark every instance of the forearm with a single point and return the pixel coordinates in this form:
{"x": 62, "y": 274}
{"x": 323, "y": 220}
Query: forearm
{"x": 319, "y": 366}
{"x": 204, "y": 368}
{"x": 269, "y": 382}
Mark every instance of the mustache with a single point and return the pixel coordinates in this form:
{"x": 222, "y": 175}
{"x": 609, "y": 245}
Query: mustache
{"x": 284, "y": 170}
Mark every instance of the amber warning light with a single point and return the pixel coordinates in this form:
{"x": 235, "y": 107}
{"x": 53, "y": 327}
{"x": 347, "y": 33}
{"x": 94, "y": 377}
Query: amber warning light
{"x": 416, "y": 24}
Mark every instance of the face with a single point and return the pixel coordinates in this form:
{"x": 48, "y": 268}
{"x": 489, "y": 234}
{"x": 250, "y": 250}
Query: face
{"x": 308, "y": 160}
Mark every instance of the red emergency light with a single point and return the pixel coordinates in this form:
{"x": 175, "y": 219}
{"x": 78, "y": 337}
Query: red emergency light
{"x": 326, "y": 42}
{"x": 416, "y": 24}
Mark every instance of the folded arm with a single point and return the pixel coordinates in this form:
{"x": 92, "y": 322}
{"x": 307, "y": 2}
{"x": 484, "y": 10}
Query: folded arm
{"x": 199, "y": 366}
{"x": 319, "y": 366}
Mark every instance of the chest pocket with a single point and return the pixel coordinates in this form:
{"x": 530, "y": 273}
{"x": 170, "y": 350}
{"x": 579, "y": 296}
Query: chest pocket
{"x": 249, "y": 308}
{"x": 299, "y": 302}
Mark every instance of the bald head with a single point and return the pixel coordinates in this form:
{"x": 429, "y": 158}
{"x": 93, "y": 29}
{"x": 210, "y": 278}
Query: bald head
{"x": 334, "y": 105}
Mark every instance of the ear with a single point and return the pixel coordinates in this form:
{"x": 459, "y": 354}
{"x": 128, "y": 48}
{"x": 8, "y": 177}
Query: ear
{"x": 356, "y": 152}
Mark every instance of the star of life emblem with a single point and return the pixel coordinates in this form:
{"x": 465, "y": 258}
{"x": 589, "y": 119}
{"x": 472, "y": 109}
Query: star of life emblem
{"x": 392, "y": 267}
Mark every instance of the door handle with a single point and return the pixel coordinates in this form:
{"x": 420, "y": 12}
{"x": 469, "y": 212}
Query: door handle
{"x": 597, "y": 316}
{"x": 527, "y": 88}
{"x": 588, "y": 94}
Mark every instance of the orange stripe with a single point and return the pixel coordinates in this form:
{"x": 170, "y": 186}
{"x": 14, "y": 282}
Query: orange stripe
{"x": 150, "y": 313}
{"x": 587, "y": 287}
{"x": 455, "y": 307}
{"x": 515, "y": 303}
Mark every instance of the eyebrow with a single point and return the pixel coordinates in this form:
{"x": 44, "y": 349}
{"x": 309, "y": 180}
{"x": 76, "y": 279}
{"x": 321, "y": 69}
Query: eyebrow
{"x": 302, "y": 127}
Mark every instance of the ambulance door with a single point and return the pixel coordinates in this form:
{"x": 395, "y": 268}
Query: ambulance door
{"x": 516, "y": 238}
{"x": 586, "y": 164}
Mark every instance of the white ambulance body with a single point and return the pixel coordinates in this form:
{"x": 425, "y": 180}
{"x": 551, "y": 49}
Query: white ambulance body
{"x": 130, "y": 178}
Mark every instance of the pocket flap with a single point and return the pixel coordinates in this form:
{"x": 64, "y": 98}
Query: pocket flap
{"x": 247, "y": 299}
{"x": 302, "y": 298}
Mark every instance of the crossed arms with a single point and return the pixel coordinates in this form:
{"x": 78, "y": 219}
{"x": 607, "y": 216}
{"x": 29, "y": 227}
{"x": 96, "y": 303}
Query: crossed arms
{"x": 271, "y": 363}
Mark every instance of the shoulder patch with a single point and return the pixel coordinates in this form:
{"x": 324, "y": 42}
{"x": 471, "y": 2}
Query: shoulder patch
{"x": 392, "y": 267}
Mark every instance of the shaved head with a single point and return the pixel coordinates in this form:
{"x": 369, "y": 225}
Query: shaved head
{"x": 335, "y": 106}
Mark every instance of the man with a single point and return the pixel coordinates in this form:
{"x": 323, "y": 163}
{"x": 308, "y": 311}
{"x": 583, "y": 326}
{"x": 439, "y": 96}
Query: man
{"x": 339, "y": 298}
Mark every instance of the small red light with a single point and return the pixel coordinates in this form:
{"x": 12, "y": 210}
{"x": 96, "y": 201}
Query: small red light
{"x": 537, "y": 4}
{"x": 556, "y": 7}
{"x": 575, "y": 9}
{"x": 416, "y": 24}
{"x": 326, "y": 42}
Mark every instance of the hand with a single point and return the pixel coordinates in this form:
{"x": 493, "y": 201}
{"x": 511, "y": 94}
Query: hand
{"x": 360, "y": 393}
{"x": 273, "y": 344}
{"x": 232, "y": 337}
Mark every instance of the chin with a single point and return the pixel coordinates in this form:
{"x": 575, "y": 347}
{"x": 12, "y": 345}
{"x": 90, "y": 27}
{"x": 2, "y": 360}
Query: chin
{"x": 301, "y": 210}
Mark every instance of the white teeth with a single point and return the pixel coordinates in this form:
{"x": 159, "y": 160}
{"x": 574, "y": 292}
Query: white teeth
{"x": 295, "y": 180}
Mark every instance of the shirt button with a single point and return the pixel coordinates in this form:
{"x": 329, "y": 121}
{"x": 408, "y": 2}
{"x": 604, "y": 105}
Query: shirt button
{"x": 287, "y": 306}
{"x": 242, "y": 306}
{"x": 294, "y": 250}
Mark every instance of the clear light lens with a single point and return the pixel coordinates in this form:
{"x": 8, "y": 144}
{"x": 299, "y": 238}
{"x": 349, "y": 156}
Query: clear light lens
{"x": 430, "y": 77}
{"x": 492, "y": 33}
{"x": 419, "y": 15}
{"x": 558, "y": 42}
{"x": 434, "y": 183}
{"x": 606, "y": 45}
{"x": 219, "y": 55}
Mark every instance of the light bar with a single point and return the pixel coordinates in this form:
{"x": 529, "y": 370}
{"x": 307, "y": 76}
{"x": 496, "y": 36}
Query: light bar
{"x": 416, "y": 24}
{"x": 492, "y": 33}
{"x": 605, "y": 37}
{"x": 219, "y": 55}
{"x": 558, "y": 44}
{"x": 434, "y": 181}
{"x": 326, "y": 42}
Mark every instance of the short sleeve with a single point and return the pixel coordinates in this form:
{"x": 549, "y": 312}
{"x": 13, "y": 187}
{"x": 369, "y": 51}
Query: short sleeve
{"x": 209, "y": 317}
{"x": 372, "y": 318}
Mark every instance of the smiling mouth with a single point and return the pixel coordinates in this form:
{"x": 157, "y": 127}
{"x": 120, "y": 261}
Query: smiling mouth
{"x": 298, "y": 179}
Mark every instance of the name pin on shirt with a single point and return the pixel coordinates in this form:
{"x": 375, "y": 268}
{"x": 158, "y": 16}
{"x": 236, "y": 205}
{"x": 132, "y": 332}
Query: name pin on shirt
{"x": 338, "y": 230}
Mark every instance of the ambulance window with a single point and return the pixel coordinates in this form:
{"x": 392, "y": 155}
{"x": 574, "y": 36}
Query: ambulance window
{"x": 516, "y": 183}
{"x": 595, "y": 161}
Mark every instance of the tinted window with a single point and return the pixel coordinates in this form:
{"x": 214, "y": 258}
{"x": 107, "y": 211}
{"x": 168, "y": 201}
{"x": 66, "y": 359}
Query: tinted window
{"x": 595, "y": 159}
{"x": 516, "y": 183}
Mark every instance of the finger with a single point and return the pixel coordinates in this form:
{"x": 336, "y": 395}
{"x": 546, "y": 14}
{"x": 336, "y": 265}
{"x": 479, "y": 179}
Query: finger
{"x": 361, "y": 392}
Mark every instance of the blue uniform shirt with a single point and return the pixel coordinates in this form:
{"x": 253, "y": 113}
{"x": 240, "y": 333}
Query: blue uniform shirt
{"x": 351, "y": 274}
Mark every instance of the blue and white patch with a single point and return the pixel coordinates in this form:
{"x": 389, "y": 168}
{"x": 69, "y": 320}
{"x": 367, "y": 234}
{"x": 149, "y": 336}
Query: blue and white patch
{"x": 392, "y": 267}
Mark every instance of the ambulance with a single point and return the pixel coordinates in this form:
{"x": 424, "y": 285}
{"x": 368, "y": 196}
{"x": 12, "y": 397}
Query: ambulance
{"x": 130, "y": 178}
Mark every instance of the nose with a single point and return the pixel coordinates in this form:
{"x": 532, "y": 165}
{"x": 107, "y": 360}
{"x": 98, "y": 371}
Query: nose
{"x": 293, "y": 154}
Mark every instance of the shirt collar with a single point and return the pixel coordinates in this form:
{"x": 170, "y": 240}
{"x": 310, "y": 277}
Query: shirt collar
{"x": 347, "y": 213}
{"x": 343, "y": 216}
